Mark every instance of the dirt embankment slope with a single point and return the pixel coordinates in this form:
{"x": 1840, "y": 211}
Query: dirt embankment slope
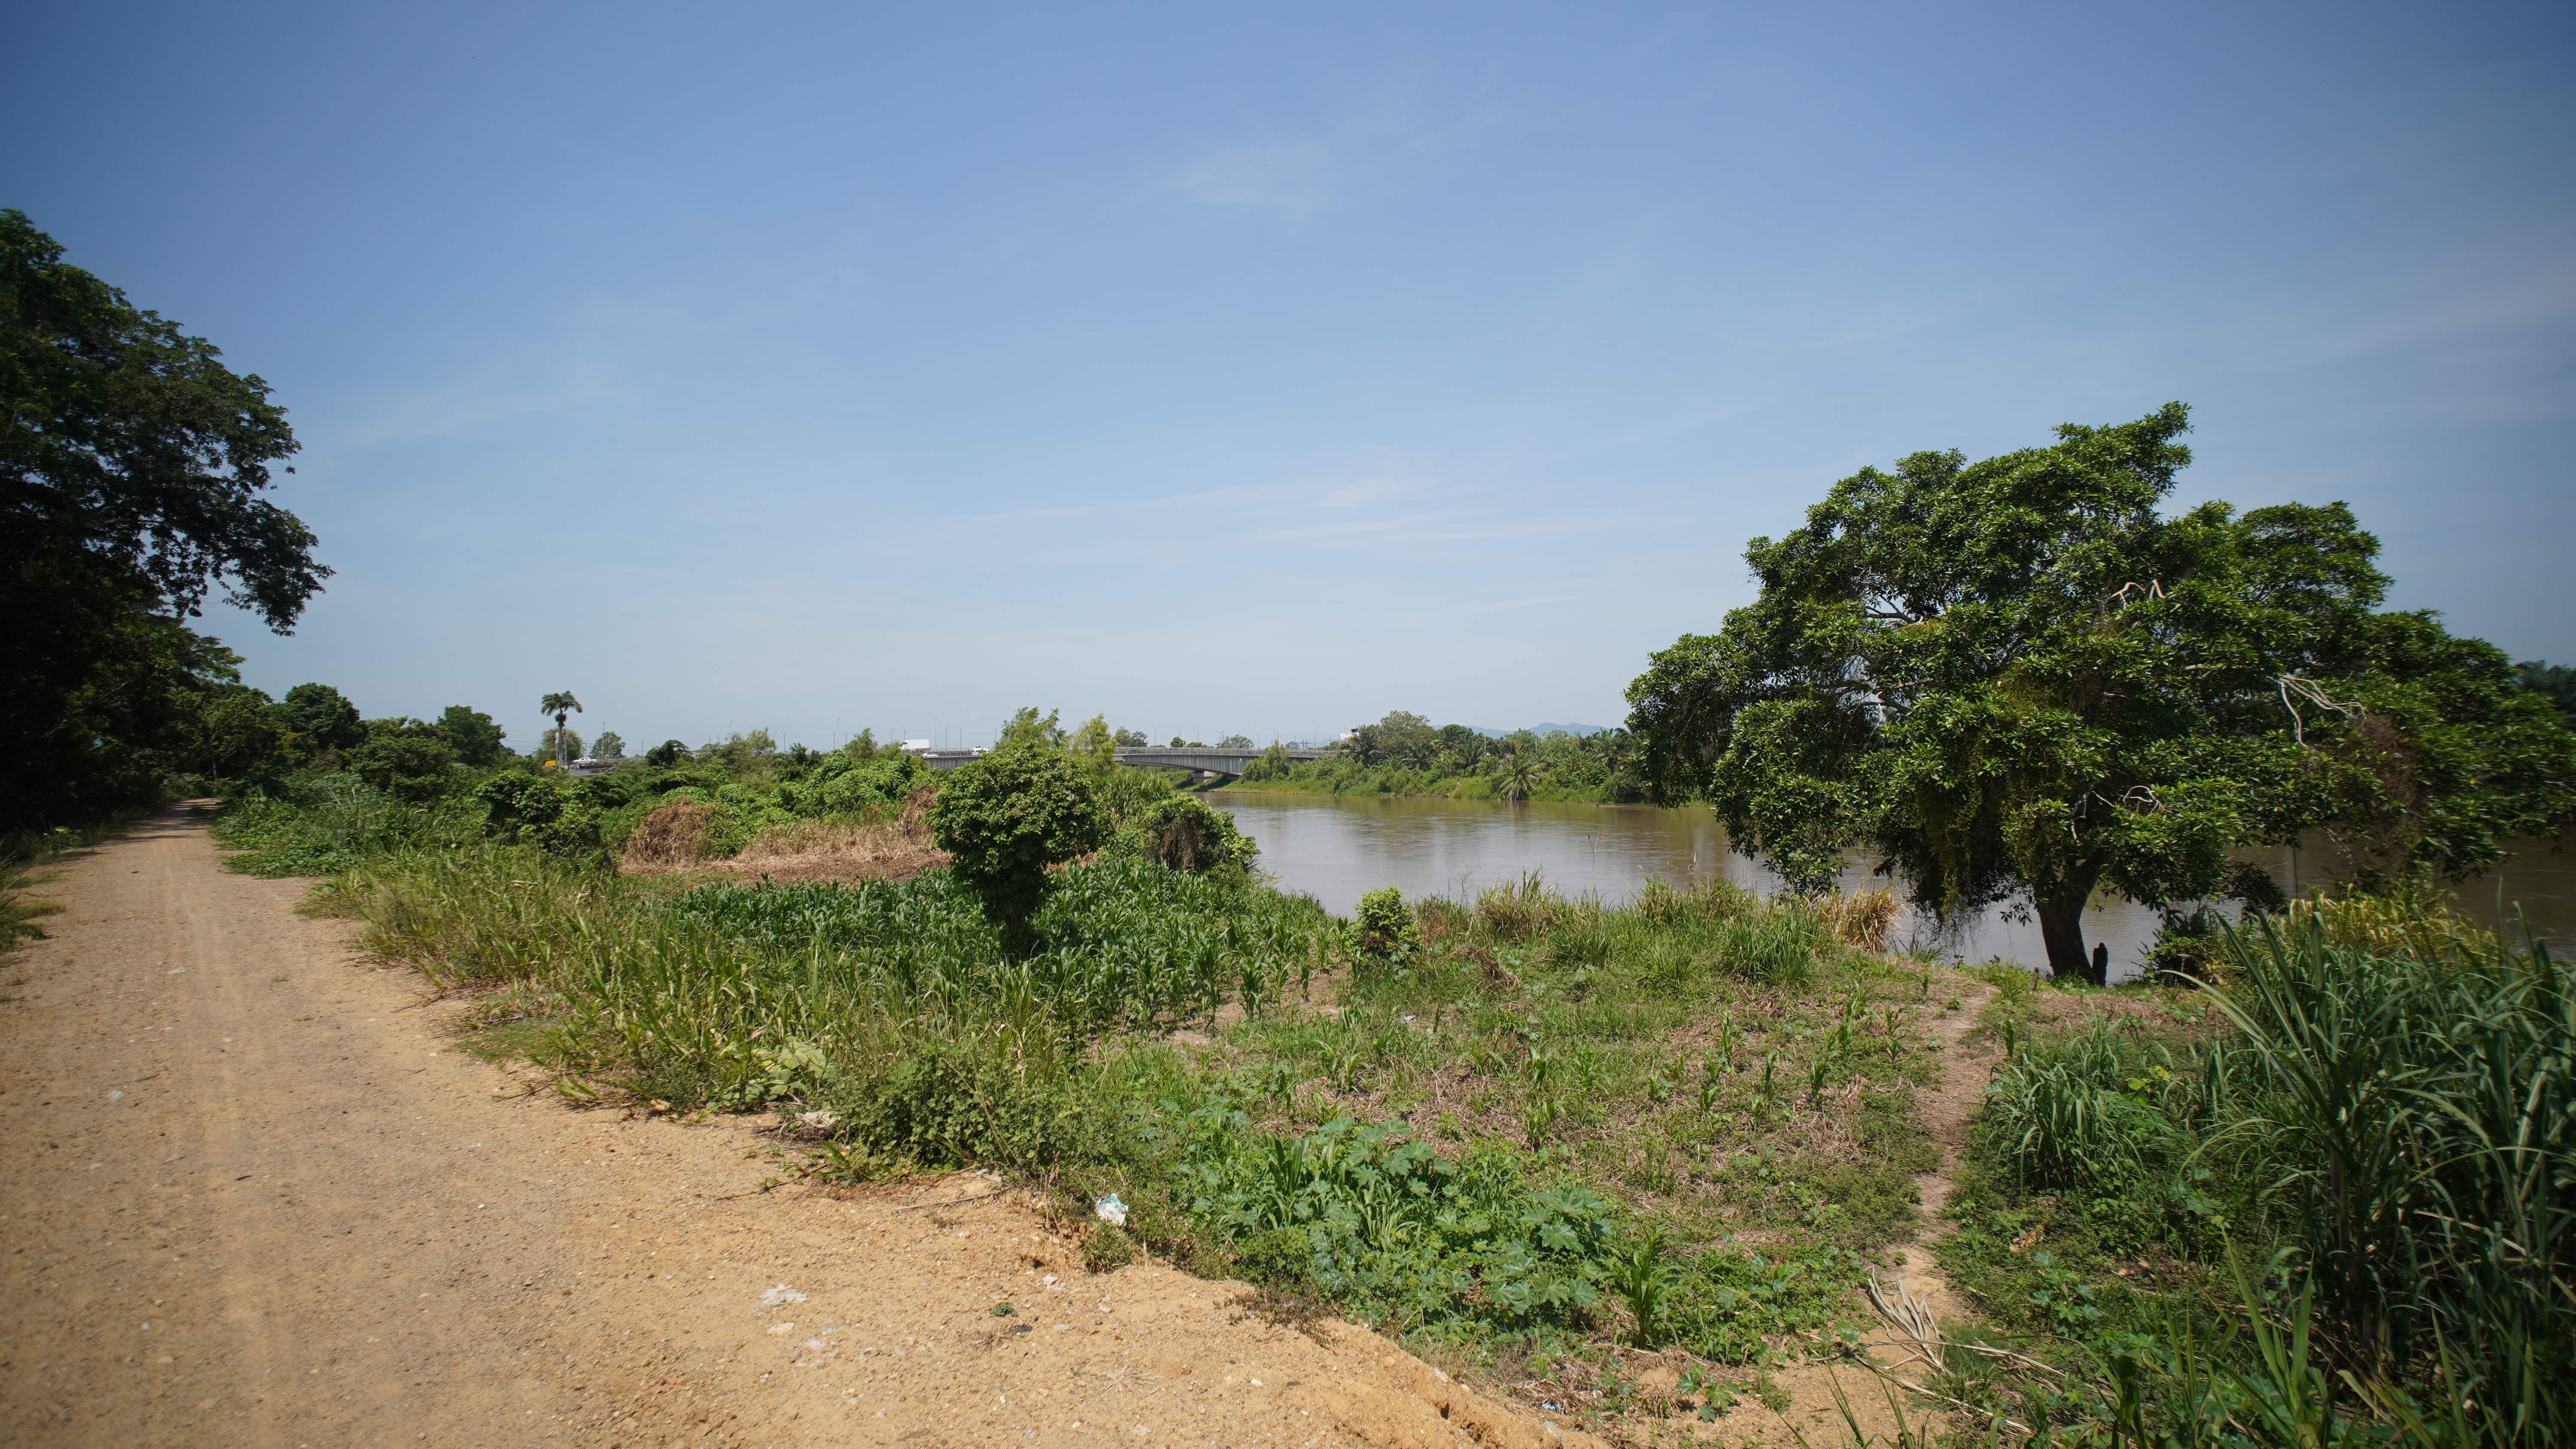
{"x": 256, "y": 1196}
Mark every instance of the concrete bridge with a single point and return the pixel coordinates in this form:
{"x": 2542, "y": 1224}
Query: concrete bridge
{"x": 1212, "y": 761}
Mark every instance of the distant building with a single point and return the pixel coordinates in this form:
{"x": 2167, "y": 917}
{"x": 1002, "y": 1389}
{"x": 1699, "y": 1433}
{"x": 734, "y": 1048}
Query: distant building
{"x": 588, "y": 766}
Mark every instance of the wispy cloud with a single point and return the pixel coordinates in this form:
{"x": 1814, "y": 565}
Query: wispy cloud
{"x": 1301, "y": 171}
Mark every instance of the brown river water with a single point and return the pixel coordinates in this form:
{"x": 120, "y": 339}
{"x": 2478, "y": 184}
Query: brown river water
{"x": 1334, "y": 847}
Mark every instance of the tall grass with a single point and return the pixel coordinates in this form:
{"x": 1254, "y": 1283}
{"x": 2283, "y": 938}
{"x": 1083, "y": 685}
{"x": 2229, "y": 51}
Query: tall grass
{"x": 2414, "y": 1115}
{"x": 327, "y": 823}
{"x": 842, "y": 998}
{"x": 2390, "y": 1108}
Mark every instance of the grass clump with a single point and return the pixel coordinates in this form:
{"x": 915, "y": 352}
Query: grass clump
{"x": 2332, "y": 1199}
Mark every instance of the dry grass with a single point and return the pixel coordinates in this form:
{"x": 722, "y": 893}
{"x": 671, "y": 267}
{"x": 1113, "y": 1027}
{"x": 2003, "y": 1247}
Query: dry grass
{"x": 1861, "y": 920}
{"x": 675, "y": 840}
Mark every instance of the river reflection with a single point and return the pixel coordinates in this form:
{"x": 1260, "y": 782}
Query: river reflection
{"x": 1336, "y": 846}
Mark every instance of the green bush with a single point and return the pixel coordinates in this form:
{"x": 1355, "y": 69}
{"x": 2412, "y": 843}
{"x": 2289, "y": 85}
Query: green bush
{"x": 408, "y": 768}
{"x": 1183, "y": 833}
{"x": 1003, "y": 819}
{"x": 556, "y": 815}
{"x": 1387, "y": 934}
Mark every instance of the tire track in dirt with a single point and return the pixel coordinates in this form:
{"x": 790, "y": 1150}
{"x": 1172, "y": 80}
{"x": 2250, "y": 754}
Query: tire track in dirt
{"x": 258, "y": 1197}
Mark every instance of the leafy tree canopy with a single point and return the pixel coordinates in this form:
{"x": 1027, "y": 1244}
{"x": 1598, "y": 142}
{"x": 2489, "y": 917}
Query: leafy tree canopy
{"x": 2016, "y": 678}
{"x": 124, "y": 439}
{"x": 1026, "y": 728}
{"x": 132, "y": 464}
{"x": 472, "y": 735}
{"x": 322, "y": 717}
{"x": 2556, "y": 681}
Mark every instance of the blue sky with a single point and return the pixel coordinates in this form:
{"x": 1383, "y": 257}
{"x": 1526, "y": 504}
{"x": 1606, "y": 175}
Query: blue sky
{"x": 1237, "y": 369}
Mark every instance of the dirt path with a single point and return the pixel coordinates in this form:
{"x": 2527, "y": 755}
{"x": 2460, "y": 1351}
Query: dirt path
{"x": 256, "y": 1196}
{"x": 1947, "y": 1108}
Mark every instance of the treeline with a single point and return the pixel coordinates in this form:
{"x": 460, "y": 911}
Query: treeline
{"x": 132, "y": 464}
{"x": 1406, "y": 754}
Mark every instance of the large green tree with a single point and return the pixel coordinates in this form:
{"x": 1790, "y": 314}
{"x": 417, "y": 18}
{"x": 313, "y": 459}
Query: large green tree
{"x": 132, "y": 464}
{"x": 2016, "y": 678}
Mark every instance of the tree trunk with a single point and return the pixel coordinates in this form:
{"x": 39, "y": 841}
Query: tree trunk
{"x": 2061, "y": 928}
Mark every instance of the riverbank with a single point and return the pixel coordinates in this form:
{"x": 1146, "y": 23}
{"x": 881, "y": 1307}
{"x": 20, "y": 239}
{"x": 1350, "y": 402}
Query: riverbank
{"x": 1249, "y": 1077}
{"x": 1332, "y": 777}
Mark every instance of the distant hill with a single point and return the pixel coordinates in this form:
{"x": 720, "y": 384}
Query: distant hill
{"x": 1543, "y": 730}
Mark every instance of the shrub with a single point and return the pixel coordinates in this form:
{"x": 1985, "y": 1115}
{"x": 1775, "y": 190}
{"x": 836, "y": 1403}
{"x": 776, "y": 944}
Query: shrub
{"x": 411, "y": 769}
{"x": 546, "y": 811}
{"x": 1005, "y": 818}
{"x": 1387, "y": 935}
{"x": 1183, "y": 833}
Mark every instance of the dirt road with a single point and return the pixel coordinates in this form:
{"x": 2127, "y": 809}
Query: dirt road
{"x": 257, "y": 1196}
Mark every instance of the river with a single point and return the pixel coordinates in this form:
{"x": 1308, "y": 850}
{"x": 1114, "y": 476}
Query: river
{"x": 1336, "y": 846}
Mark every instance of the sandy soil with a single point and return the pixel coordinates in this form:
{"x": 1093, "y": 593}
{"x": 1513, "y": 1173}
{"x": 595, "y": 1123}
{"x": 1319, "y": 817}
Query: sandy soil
{"x": 257, "y": 1196}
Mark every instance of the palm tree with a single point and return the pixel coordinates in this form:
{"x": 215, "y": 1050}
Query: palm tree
{"x": 1518, "y": 776}
{"x": 563, "y": 707}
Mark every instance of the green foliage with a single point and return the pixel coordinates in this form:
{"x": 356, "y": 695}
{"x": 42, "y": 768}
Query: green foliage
{"x": 1107, "y": 1248}
{"x": 1404, "y": 755}
{"x": 325, "y": 823}
{"x": 666, "y": 754}
{"x": 1006, "y": 817}
{"x": 1117, "y": 942}
{"x": 236, "y": 738}
{"x": 1727, "y": 1304}
{"x": 2015, "y": 677}
{"x": 558, "y": 746}
{"x": 550, "y": 812}
{"x": 2557, "y": 682}
{"x": 1184, "y": 833}
{"x": 1026, "y": 730}
{"x": 561, "y": 741}
{"x": 2392, "y": 1108}
{"x": 2084, "y": 1110}
{"x": 1387, "y": 935}
{"x": 321, "y": 718}
{"x": 1644, "y": 1282}
{"x": 410, "y": 769}
{"x": 472, "y": 735}
{"x": 1391, "y": 1227}
{"x": 132, "y": 464}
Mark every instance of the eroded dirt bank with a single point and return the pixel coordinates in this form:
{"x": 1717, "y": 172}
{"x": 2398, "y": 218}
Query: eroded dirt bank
{"x": 257, "y": 1197}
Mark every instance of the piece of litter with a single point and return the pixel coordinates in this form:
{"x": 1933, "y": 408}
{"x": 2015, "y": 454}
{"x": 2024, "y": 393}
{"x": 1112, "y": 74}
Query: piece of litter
{"x": 781, "y": 1330}
{"x": 181, "y": 971}
{"x": 780, "y": 1294}
{"x": 1111, "y": 1211}
{"x": 115, "y": 1092}
{"x": 816, "y": 1120}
